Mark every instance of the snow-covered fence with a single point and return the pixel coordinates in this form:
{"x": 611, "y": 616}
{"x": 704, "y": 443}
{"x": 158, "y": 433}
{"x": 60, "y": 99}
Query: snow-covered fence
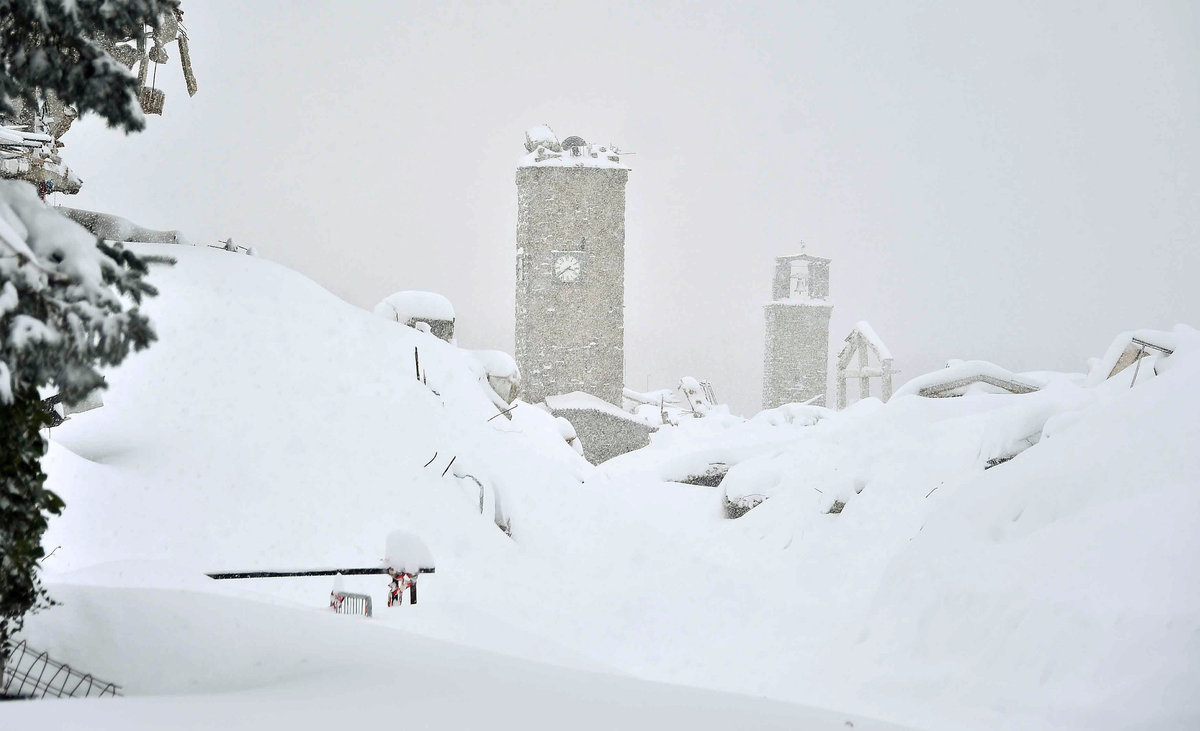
{"x": 344, "y": 602}
{"x": 32, "y": 674}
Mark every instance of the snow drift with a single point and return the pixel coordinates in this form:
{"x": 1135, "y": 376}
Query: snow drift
{"x": 1017, "y": 561}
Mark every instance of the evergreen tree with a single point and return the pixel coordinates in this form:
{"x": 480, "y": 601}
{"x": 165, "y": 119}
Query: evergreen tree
{"x": 68, "y": 306}
{"x": 68, "y": 302}
{"x": 59, "y": 47}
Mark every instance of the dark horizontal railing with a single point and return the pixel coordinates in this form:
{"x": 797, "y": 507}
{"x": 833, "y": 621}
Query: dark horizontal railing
{"x": 310, "y": 572}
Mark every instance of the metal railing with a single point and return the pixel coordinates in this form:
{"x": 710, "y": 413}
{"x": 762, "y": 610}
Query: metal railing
{"x": 344, "y": 602}
{"x": 28, "y": 673}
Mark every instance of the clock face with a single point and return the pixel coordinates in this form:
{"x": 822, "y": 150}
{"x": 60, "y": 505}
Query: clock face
{"x": 567, "y": 268}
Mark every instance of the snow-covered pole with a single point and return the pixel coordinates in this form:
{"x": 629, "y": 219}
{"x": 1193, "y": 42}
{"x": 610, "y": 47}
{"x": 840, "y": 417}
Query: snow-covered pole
{"x": 864, "y": 381}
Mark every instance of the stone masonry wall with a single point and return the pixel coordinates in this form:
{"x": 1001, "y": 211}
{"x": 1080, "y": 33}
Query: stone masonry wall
{"x": 571, "y": 336}
{"x": 605, "y": 436}
{"x": 796, "y": 358}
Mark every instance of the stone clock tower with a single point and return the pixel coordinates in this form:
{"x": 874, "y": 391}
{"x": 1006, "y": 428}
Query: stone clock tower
{"x": 570, "y": 324}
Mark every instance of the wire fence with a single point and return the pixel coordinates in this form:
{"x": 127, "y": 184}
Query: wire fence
{"x": 28, "y": 673}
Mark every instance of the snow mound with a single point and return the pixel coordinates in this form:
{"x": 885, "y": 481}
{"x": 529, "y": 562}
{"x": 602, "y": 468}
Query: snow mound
{"x": 275, "y": 426}
{"x": 1066, "y": 581}
{"x": 195, "y": 661}
{"x": 793, "y": 415}
{"x": 408, "y": 553}
{"x": 404, "y": 307}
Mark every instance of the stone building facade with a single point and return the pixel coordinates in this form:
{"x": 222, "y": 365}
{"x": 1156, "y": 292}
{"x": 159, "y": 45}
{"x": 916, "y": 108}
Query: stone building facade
{"x": 604, "y": 430}
{"x": 570, "y": 279}
{"x": 796, "y": 357}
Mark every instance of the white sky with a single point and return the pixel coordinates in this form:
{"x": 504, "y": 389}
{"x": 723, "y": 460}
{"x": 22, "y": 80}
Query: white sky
{"x": 1015, "y": 182}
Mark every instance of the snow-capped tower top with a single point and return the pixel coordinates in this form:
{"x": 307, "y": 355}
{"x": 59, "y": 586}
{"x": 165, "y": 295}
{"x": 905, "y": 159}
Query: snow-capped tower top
{"x": 544, "y": 150}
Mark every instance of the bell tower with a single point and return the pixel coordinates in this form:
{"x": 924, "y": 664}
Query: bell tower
{"x": 570, "y": 280}
{"x": 796, "y": 356}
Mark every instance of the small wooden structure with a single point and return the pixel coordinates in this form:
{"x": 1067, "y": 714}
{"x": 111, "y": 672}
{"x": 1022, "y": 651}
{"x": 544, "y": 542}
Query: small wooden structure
{"x": 863, "y": 345}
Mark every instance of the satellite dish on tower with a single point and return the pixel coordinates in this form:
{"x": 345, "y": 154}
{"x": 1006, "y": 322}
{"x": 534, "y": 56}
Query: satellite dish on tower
{"x": 575, "y": 145}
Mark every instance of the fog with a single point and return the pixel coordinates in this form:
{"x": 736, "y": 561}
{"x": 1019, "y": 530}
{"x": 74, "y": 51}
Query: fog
{"x": 1013, "y": 182}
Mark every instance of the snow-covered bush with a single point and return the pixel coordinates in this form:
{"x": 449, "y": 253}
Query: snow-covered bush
{"x": 68, "y": 306}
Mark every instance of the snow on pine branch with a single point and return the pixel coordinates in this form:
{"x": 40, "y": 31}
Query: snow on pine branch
{"x": 52, "y": 243}
{"x": 64, "y": 299}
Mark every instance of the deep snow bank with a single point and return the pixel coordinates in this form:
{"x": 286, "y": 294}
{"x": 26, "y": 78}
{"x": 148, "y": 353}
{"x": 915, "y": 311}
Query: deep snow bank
{"x": 249, "y": 665}
{"x": 949, "y": 589}
{"x": 275, "y": 426}
{"x": 1062, "y": 588}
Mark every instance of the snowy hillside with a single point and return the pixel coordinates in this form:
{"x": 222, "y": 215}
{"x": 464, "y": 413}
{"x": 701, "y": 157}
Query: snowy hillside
{"x": 274, "y": 426}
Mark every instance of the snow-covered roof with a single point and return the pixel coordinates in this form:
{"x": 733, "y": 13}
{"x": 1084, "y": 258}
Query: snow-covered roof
{"x": 581, "y": 401}
{"x": 868, "y": 332}
{"x": 1158, "y": 339}
{"x": 958, "y": 375}
{"x": 802, "y": 257}
{"x": 414, "y": 304}
{"x": 15, "y": 137}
